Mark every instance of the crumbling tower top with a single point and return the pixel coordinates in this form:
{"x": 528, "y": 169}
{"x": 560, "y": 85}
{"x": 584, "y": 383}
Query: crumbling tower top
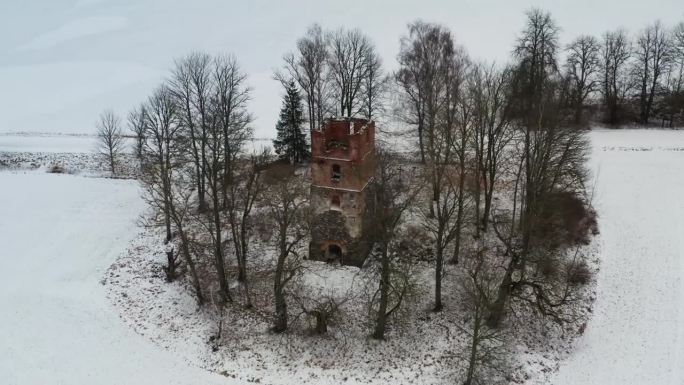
{"x": 350, "y": 139}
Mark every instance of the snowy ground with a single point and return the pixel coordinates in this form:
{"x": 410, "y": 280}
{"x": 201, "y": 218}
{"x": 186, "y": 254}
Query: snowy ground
{"x": 47, "y": 143}
{"x": 636, "y": 335}
{"x": 68, "y": 143}
{"x": 59, "y": 233}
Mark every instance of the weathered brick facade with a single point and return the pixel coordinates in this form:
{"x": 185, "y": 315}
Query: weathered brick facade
{"x": 342, "y": 169}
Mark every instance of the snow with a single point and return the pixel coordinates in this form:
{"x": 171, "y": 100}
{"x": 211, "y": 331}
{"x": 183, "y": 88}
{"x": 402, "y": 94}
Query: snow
{"x": 48, "y": 143}
{"x": 73, "y": 143}
{"x": 59, "y": 233}
{"x": 248, "y": 352}
{"x": 636, "y": 335}
{"x": 70, "y": 244}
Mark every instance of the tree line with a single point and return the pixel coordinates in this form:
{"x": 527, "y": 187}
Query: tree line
{"x": 621, "y": 79}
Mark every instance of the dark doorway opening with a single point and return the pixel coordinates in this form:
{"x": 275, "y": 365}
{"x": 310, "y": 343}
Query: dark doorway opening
{"x": 335, "y": 202}
{"x": 334, "y": 253}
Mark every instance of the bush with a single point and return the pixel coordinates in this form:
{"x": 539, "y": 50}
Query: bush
{"x": 578, "y": 273}
{"x": 565, "y": 219}
{"x": 416, "y": 244}
{"x": 56, "y": 169}
{"x": 548, "y": 266}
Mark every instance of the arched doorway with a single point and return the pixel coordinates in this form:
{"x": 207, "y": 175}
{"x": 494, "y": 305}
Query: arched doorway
{"x": 334, "y": 253}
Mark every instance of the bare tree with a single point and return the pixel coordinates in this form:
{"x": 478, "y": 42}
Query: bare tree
{"x": 615, "y": 54}
{"x": 192, "y": 88}
{"x": 446, "y": 153}
{"x": 536, "y": 52}
{"x": 582, "y": 67}
{"x": 243, "y": 189}
{"x": 180, "y": 202}
{"x": 285, "y": 198}
{"x": 181, "y": 208}
{"x": 161, "y": 154}
{"x": 323, "y": 308}
{"x": 110, "y": 138}
{"x": 308, "y": 68}
{"x": 213, "y": 218}
{"x": 552, "y": 156}
{"x": 227, "y": 129}
{"x": 652, "y": 53}
{"x": 351, "y": 55}
{"x": 374, "y": 86}
{"x": 487, "y": 348}
{"x": 489, "y": 89}
{"x": 674, "y": 96}
{"x": 678, "y": 52}
{"x": 422, "y": 57}
{"x": 230, "y": 98}
{"x": 394, "y": 193}
{"x": 136, "y": 124}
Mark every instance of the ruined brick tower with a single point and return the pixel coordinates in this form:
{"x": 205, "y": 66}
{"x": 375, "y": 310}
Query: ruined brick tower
{"x": 342, "y": 168}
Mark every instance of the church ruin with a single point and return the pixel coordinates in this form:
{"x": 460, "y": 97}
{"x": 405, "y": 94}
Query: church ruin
{"x": 342, "y": 168}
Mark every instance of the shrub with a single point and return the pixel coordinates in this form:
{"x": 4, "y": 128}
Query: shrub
{"x": 578, "y": 273}
{"x": 565, "y": 219}
{"x": 56, "y": 169}
{"x": 548, "y": 266}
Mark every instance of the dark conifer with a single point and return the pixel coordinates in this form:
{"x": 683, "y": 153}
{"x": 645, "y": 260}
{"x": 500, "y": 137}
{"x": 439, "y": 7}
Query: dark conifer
{"x": 291, "y": 142}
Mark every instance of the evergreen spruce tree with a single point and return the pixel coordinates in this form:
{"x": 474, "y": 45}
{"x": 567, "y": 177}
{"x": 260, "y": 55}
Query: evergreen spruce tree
{"x": 291, "y": 142}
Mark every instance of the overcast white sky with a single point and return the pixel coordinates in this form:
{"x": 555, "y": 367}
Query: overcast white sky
{"x": 63, "y": 61}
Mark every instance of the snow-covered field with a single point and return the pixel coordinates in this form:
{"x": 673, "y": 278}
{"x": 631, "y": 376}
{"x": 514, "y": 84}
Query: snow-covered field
{"x": 47, "y": 143}
{"x": 636, "y": 335}
{"x": 59, "y": 234}
{"x": 56, "y": 143}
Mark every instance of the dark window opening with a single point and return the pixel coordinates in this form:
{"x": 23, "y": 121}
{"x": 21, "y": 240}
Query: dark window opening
{"x": 336, "y": 173}
{"x": 336, "y": 145}
{"x": 335, "y": 202}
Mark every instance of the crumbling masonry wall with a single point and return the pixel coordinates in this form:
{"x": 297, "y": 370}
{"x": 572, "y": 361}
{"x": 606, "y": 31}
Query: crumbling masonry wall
{"x": 341, "y": 175}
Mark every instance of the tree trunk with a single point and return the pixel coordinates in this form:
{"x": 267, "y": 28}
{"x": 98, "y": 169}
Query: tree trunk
{"x": 242, "y": 273}
{"x": 200, "y": 189}
{"x": 420, "y": 143}
{"x": 170, "y": 259}
{"x": 280, "y": 322}
{"x": 496, "y": 311}
{"x": 170, "y": 266}
{"x": 321, "y": 322}
{"x": 478, "y": 178}
{"x": 111, "y": 160}
{"x": 578, "y": 113}
{"x": 489, "y": 192}
{"x": 472, "y": 364}
{"x": 439, "y": 263}
{"x": 218, "y": 250}
{"x": 381, "y": 321}
{"x": 191, "y": 264}
{"x": 459, "y": 225}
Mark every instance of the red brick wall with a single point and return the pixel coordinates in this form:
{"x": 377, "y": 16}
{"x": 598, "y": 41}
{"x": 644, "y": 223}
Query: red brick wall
{"x": 353, "y": 153}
